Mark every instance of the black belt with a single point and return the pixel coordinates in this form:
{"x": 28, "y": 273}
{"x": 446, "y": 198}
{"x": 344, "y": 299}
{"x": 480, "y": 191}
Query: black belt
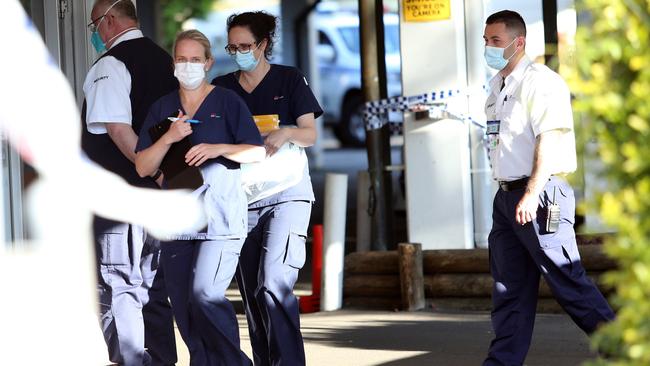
{"x": 514, "y": 184}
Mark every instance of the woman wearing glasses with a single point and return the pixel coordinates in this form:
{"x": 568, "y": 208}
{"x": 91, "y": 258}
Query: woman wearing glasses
{"x": 200, "y": 266}
{"x": 274, "y": 250}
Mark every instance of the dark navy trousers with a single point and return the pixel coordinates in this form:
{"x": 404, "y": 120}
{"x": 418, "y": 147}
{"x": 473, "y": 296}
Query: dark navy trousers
{"x": 135, "y": 314}
{"x": 272, "y": 255}
{"x": 518, "y": 255}
{"x": 159, "y": 335}
{"x": 198, "y": 272}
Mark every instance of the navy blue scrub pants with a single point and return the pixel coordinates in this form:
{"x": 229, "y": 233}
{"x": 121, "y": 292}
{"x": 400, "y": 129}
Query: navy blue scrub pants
{"x": 518, "y": 255}
{"x": 134, "y": 310}
{"x": 197, "y": 275}
{"x": 159, "y": 335}
{"x": 272, "y": 255}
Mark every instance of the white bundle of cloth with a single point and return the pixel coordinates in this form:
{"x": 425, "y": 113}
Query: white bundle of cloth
{"x": 274, "y": 174}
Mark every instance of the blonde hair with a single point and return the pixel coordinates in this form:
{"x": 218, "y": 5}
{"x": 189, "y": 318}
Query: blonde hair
{"x": 194, "y": 35}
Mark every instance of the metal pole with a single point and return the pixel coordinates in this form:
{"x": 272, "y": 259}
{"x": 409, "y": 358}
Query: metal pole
{"x": 483, "y": 187}
{"x": 363, "y": 219}
{"x": 5, "y": 212}
{"x": 299, "y": 43}
{"x": 316, "y": 150}
{"x": 373, "y": 81}
{"x": 549, "y": 11}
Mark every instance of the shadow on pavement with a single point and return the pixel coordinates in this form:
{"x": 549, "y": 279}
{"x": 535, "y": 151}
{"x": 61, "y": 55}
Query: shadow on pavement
{"x": 428, "y": 338}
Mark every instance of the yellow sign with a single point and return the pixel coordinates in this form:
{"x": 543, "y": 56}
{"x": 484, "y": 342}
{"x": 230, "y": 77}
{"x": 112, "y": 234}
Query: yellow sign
{"x": 426, "y": 10}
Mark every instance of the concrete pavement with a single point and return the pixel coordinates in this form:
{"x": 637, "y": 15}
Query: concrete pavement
{"x": 382, "y": 338}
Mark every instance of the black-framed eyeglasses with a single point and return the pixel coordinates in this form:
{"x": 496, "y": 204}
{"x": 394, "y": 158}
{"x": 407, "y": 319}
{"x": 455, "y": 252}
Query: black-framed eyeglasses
{"x": 242, "y": 48}
{"x": 93, "y": 26}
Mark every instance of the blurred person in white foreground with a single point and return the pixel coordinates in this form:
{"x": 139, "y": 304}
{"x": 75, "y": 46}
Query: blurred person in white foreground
{"x": 48, "y": 312}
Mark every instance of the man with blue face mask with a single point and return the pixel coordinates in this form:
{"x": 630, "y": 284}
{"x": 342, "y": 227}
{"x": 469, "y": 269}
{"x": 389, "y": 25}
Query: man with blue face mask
{"x": 531, "y": 146}
{"x": 131, "y": 73}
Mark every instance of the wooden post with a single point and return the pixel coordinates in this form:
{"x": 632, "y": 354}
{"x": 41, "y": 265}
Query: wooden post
{"x": 363, "y": 219}
{"x": 411, "y": 276}
{"x": 373, "y": 84}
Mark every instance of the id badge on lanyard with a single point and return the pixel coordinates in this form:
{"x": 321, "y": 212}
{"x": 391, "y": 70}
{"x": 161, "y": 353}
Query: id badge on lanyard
{"x": 492, "y": 133}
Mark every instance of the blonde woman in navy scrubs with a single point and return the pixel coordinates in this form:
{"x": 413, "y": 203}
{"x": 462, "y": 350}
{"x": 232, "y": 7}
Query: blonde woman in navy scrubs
{"x": 274, "y": 250}
{"x": 201, "y": 265}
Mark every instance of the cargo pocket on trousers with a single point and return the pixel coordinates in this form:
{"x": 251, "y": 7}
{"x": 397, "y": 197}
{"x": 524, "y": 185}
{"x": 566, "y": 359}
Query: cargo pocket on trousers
{"x": 114, "y": 249}
{"x": 226, "y": 216}
{"x": 294, "y": 255}
{"x": 572, "y": 255}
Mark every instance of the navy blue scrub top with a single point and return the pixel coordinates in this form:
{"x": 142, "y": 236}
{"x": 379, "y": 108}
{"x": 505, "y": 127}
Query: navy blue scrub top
{"x": 225, "y": 119}
{"x": 283, "y": 91}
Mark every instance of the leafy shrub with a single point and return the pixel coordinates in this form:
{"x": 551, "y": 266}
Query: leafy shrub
{"x": 611, "y": 80}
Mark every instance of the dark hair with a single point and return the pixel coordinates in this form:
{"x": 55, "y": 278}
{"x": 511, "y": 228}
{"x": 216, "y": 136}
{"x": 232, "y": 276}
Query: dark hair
{"x": 260, "y": 23}
{"x": 124, "y": 8}
{"x": 512, "y": 20}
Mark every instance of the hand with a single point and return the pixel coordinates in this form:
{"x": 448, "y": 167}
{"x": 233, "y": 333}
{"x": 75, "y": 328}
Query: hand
{"x": 526, "y": 210}
{"x": 179, "y": 129}
{"x": 198, "y": 154}
{"x": 275, "y": 139}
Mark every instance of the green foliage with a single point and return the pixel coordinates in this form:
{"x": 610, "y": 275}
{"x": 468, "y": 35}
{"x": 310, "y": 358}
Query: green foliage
{"x": 175, "y": 12}
{"x": 611, "y": 80}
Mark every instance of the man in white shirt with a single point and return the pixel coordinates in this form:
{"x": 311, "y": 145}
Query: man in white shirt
{"x": 531, "y": 146}
{"x": 131, "y": 73}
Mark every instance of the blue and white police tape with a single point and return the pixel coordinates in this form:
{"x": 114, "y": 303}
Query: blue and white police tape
{"x": 426, "y": 97}
{"x": 375, "y": 111}
{"x": 376, "y": 120}
{"x": 400, "y": 101}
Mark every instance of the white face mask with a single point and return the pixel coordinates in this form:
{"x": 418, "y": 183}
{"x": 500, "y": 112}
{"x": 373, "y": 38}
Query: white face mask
{"x": 189, "y": 74}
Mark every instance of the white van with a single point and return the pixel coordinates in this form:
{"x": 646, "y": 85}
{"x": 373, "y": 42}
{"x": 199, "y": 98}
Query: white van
{"x": 339, "y": 63}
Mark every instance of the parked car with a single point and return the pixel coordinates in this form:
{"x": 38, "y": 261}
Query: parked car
{"x": 339, "y": 62}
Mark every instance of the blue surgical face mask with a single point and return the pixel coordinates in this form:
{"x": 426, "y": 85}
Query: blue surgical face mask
{"x": 97, "y": 42}
{"x": 246, "y": 61}
{"x": 494, "y": 56}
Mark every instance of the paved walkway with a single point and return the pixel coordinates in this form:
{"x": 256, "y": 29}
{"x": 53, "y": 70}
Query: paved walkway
{"x": 381, "y": 338}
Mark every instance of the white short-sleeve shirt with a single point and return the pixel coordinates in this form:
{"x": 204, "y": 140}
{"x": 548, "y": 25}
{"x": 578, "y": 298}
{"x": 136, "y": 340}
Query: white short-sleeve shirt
{"x": 107, "y": 88}
{"x": 534, "y": 100}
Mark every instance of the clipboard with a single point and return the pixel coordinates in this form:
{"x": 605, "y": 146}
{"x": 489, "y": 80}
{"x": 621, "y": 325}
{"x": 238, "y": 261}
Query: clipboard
{"x": 178, "y": 175}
